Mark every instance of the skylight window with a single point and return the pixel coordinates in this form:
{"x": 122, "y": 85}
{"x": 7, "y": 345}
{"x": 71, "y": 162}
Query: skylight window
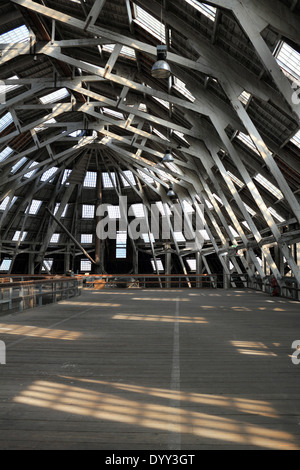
{"x": 181, "y": 87}
{"x": 86, "y": 238}
{"x": 218, "y": 199}
{"x": 289, "y": 60}
{"x": 18, "y": 164}
{"x": 246, "y": 139}
{"x": 5, "y": 265}
{"x": 88, "y": 211}
{"x": 47, "y": 175}
{"x": 47, "y": 263}
{"x": 269, "y": 186}
{"x": 166, "y": 104}
{"x": 121, "y": 242}
{"x": 113, "y": 113}
{"x": 90, "y": 180}
{"x": 17, "y": 234}
{"x": 181, "y": 136}
{"x": 245, "y": 223}
{"x": 126, "y": 51}
{"x": 147, "y": 239}
{"x": 30, "y": 173}
{"x": 7, "y": 88}
{"x": 5, "y": 154}
{"x": 295, "y": 140}
{"x": 245, "y": 97}
{"x": 44, "y": 126}
{"x": 5, "y": 202}
{"x": 129, "y": 178}
{"x": 65, "y": 177}
{"x": 109, "y": 180}
{"x": 5, "y": 121}
{"x": 20, "y": 34}
{"x": 251, "y": 211}
{"x": 146, "y": 177}
{"x": 233, "y": 231}
{"x": 236, "y": 180}
{"x": 160, "y": 265}
{"x": 208, "y": 11}
{"x": 149, "y": 23}
{"x": 64, "y": 211}
{"x": 34, "y": 207}
{"x": 275, "y": 214}
{"x": 85, "y": 265}
{"x": 55, "y": 238}
{"x": 55, "y": 96}
{"x": 192, "y": 264}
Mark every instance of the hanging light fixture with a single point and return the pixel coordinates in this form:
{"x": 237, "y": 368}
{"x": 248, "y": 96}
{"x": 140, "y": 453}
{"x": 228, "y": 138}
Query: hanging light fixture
{"x": 168, "y": 158}
{"x": 161, "y": 68}
{"x": 170, "y": 192}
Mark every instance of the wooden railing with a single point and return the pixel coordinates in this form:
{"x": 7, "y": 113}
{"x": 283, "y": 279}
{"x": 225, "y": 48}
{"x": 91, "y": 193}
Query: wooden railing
{"x": 144, "y": 281}
{"x": 21, "y": 292}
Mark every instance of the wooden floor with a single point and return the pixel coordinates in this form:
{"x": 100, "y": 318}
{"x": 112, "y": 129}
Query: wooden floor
{"x": 152, "y": 370}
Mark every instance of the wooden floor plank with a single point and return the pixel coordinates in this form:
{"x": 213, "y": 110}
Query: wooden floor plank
{"x": 152, "y": 370}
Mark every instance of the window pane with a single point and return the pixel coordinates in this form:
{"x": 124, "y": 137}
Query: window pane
{"x": 88, "y": 211}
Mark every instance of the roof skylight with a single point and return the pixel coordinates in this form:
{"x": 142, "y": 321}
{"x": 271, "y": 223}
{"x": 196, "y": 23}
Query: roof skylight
{"x": 275, "y": 214}
{"x": 20, "y": 34}
{"x": 18, "y": 164}
{"x": 17, "y": 236}
{"x": 289, "y": 60}
{"x": 160, "y": 265}
{"x": 88, "y": 211}
{"x": 296, "y": 139}
{"x": 236, "y": 180}
{"x": 86, "y": 238}
{"x": 5, "y": 202}
{"x": 129, "y": 178}
{"x": 55, "y": 96}
{"x": 269, "y": 186}
{"x": 121, "y": 242}
{"x": 181, "y": 87}
{"x": 246, "y": 139}
{"x": 109, "y": 180}
{"x": 85, "y": 265}
{"x": 208, "y": 11}
{"x": 45, "y": 176}
{"x": 55, "y": 238}
{"x": 192, "y": 264}
{"x": 126, "y": 51}
{"x": 34, "y": 207}
{"x": 90, "y": 180}
{"x": 5, "y": 154}
{"x": 149, "y": 23}
{"x": 5, "y": 264}
{"x": 5, "y": 121}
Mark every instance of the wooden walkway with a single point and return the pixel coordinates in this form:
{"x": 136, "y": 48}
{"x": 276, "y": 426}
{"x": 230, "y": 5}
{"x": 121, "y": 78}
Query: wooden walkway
{"x": 152, "y": 370}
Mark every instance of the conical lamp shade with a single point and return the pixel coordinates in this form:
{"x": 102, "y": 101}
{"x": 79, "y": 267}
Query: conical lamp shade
{"x": 168, "y": 158}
